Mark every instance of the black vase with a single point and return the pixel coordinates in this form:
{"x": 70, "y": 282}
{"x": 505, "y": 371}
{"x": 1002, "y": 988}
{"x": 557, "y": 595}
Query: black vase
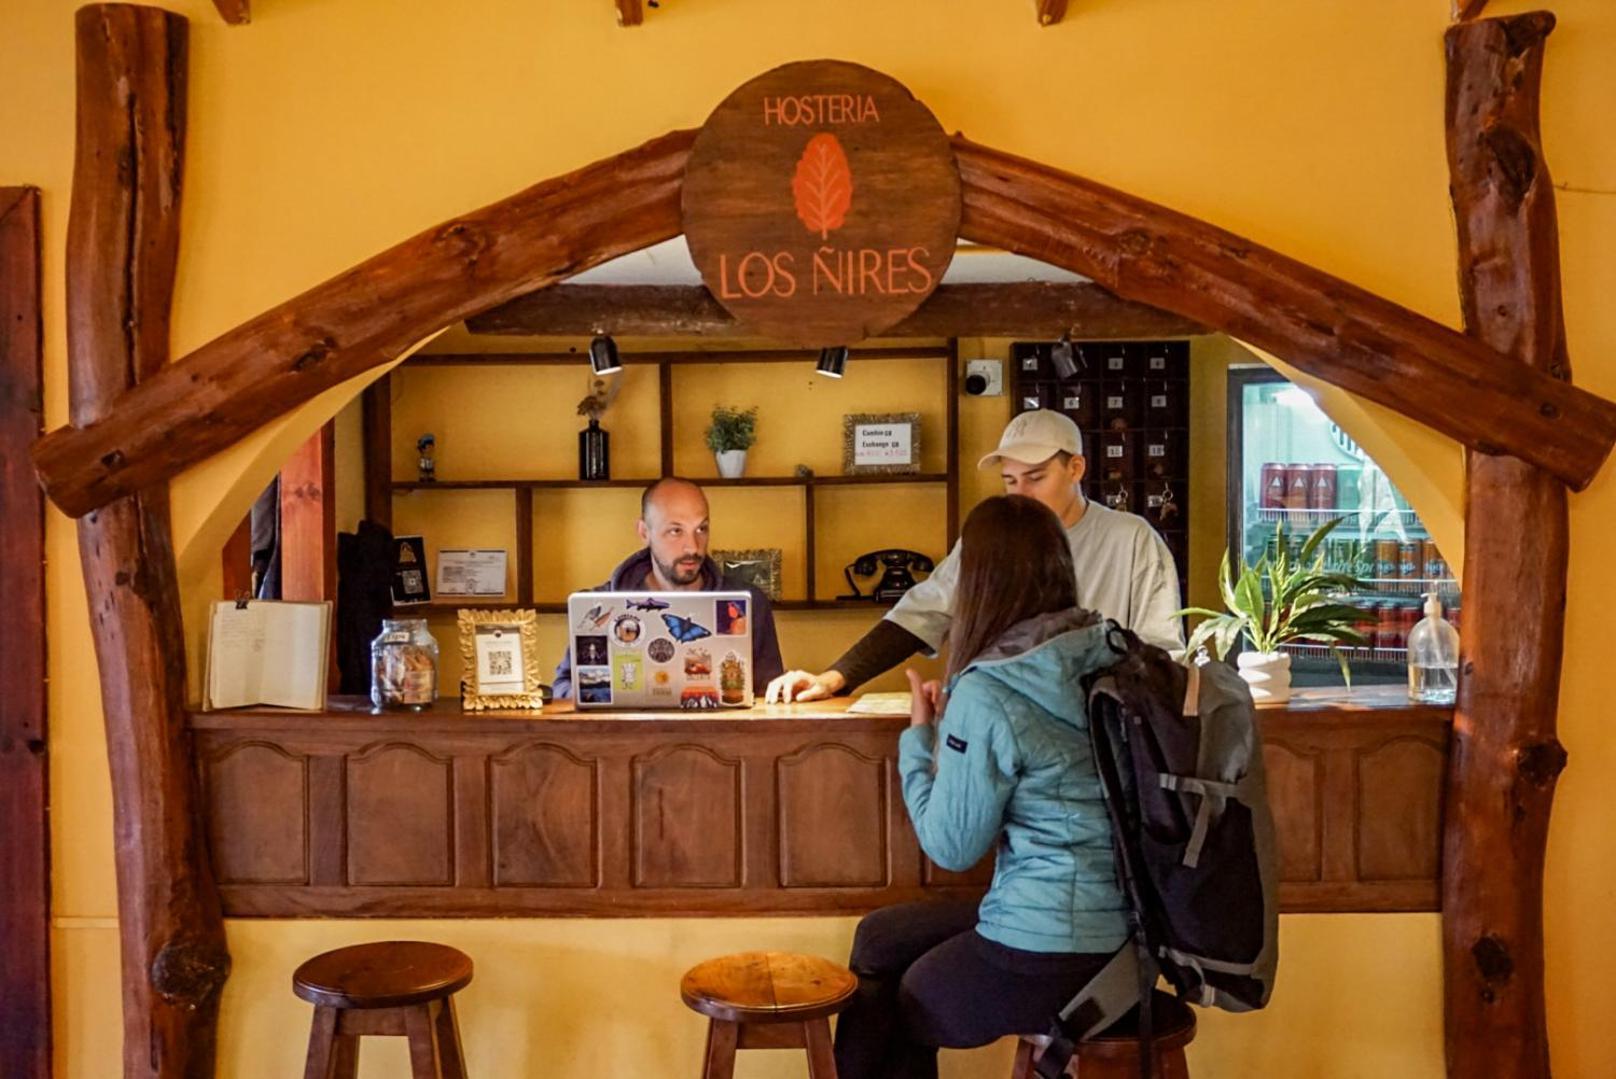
{"x": 594, "y": 453}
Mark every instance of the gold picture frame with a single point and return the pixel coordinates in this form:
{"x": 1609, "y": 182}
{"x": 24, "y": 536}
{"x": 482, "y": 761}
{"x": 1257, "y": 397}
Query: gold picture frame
{"x": 499, "y": 654}
{"x": 851, "y": 444}
{"x": 759, "y": 568}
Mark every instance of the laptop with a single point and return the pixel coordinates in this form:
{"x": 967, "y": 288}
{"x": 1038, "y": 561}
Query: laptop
{"x": 689, "y": 650}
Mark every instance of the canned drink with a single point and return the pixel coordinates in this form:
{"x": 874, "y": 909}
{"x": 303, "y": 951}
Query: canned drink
{"x": 1322, "y": 491}
{"x": 1435, "y": 568}
{"x": 1392, "y": 632}
{"x": 1271, "y": 492}
{"x": 1298, "y": 486}
{"x": 1387, "y": 564}
{"x": 1408, "y": 615}
{"x": 1410, "y": 560}
{"x": 1348, "y": 487}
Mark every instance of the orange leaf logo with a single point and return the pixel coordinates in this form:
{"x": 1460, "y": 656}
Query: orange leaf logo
{"x": 822, "y": 185}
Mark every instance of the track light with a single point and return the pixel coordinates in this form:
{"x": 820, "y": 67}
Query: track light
{"x": 603, "y": 358}
{"x": 831, "y": 361}
{"x": 1063, "y": 356}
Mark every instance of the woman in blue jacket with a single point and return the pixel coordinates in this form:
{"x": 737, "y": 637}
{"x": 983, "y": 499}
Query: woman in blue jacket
{"x": 1001, "y": 762}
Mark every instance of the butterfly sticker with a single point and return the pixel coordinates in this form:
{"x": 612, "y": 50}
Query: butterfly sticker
{"x": 650, "y": 603}
{"x": 685, "y": 630}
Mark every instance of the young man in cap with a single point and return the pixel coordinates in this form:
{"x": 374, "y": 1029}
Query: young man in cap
{"x": 1124, "y": 570}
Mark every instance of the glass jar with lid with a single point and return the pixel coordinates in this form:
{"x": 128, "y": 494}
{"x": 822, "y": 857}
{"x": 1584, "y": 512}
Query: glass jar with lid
{"x": 403, "y": 666}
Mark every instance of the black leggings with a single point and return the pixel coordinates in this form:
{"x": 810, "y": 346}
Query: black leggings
{"x": 928, "y": 980}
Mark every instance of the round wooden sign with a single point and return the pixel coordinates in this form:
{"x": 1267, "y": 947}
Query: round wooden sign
{"x": 821, "y": 203}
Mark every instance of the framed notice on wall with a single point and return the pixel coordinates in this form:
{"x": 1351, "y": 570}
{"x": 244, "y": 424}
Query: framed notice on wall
{"x": 880, "y": 442}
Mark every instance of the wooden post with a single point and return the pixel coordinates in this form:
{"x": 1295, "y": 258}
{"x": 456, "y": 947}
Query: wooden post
{"x": 1517, "y": 536}
{"x": 309, "y": 519}
{"x": 123, "y": 238}
{"x": 25, "y": 1030}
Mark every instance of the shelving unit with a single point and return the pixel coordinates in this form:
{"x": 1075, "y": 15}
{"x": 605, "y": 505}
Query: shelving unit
{"x": 381, "y": 488}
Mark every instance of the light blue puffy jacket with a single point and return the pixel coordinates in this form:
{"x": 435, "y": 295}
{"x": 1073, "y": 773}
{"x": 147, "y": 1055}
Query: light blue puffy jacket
{"x": 1015, "y": 766}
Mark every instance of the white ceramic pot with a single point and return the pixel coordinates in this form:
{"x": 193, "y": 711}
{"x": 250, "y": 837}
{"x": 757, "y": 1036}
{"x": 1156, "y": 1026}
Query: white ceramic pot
{"x": 1268, "y": 674}
{"x": 731, "y": 463}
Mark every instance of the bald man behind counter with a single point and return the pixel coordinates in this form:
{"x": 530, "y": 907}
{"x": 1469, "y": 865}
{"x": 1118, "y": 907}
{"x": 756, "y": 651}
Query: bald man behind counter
{"x": 674, "y": 527}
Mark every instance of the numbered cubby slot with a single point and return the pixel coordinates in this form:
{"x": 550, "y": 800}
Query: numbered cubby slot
{"x": 1162, "y": 502}
{"x": 1167, "y": 403}
{"x": 1163, "y": 454}
{"x": 1122, "y": 403}
{"x": 1116, "y": 456}
{"x": 1080, "y": 402}
{"x": 1159, "y": 359}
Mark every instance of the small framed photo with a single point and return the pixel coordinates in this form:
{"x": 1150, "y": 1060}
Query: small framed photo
{"x": 759, "y": 568}
{"x": 880, "y": 442}
{"x": 409, "y": 582}
{"x": 499, "y": 654}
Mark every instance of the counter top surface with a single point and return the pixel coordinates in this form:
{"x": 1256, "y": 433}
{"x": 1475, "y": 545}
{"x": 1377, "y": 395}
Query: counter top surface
{"x": 1364, "y": 704}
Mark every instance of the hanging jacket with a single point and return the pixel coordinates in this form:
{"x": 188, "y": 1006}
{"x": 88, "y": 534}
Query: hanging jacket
{"x": 630, "y": 576}
{"x": 1014, "y": 767}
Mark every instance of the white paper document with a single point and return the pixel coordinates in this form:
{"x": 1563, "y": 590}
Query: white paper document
{"x": 268, "y": 652}
{"x": 471, "y": 571}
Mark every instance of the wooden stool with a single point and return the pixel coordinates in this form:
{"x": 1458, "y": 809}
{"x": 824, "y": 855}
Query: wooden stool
{"x": 1115, "y": 1054}
{"x": 768, "y": 1000}
{"x": 403, "y": 987}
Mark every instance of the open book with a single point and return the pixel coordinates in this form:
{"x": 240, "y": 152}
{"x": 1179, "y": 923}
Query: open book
{"x": 268, "y": 652}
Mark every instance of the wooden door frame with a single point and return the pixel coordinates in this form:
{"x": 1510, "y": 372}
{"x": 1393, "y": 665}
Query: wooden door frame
{"x": 138, "y": 422}
{"x": 25, "y": 1003}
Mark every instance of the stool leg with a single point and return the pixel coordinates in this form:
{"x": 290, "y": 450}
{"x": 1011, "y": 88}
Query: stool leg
{"x": 821, "y": 1059}
{"x": 454, "y": 1057}
{"x": 720, "y": 1056}
{"x": 425, "y": 1061}
{"x": 328, "y": 1051}
{"x": 1022, "y": 1069}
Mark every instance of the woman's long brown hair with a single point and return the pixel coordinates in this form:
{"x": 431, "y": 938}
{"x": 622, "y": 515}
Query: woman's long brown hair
{"x": 1014, "y": 563}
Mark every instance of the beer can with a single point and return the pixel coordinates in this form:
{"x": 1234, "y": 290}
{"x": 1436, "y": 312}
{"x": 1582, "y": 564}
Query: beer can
{"x": 1408, "y": 615}
{"x": 1298, "y": 486}
{"x": 1271, "y": 494}
{"x": 1348, "y": 487}
{"x": 1386, "y": 627}
{"x": 1410, "y": 560}
{"x": 1322, "y": 492}
{"x": 1387, "y": 564}
{"x": 1435, "y": 568}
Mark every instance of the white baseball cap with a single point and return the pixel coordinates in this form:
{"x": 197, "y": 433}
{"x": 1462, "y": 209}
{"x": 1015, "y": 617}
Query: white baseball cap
{"x": 1034, "y": 437}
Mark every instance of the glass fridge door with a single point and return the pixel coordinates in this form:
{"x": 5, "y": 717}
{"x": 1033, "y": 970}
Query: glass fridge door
{"x": 1292, "y": 470}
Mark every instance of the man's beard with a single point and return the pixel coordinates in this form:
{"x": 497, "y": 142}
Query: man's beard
{"x": 673, "y": 574}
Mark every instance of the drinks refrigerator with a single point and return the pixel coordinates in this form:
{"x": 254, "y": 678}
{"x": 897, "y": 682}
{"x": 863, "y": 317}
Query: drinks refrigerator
{"x": 1290, "y": 470}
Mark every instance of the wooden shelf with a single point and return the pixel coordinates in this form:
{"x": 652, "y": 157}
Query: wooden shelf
{"x": 744, "y": 481}
{"x": 381, "y": 489}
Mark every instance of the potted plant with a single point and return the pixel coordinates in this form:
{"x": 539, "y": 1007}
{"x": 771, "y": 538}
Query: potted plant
{"x": 1276, "y": 601}
{"x": 729, "y": 436}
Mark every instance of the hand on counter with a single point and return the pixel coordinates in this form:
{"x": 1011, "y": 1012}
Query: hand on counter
{"x": 796, "y": 686}
{"x": 926, "y": 699}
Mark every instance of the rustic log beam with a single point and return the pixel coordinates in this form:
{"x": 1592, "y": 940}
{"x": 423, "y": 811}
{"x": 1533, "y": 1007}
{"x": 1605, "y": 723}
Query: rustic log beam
{"x": 122, "y": 243}
{"x": 1467, "y": 9}
{"x": 308, "y": 493}
{"x": 1009, "y": 309}
{"x": 363, "y": 317}
{"x": 1506, "y": 757}
{"x": 630, "y": 12}
{"x": 1133, "y": 248}
{"x": 1320, "y": 323}
{"x": 1051, "y": 12}
{"x": 235, "y": 12}
{"x": 25, "y": 1001}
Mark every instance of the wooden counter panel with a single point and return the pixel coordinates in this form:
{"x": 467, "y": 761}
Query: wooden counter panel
{"x": 785, "y": 810}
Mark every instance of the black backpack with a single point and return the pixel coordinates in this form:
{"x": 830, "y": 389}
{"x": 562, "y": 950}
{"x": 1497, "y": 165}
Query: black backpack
{"x": 1179, "y": 755}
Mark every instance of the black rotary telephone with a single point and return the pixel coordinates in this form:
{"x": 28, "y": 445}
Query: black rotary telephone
{"x": 897, "y": 578}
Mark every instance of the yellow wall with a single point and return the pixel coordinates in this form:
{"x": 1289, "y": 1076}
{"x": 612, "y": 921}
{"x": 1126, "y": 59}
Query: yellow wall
{"x": 324, "y": 132}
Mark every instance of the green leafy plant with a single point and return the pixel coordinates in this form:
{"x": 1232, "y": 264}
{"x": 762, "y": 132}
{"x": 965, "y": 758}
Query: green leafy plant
{"x": 732, "y": 429}
{"x": 1280, "y": 600}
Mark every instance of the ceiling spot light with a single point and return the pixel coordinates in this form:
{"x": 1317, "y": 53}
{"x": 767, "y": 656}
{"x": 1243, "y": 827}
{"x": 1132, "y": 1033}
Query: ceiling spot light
{"x": 832, "y": 361}
{"x": 603, "y": 358}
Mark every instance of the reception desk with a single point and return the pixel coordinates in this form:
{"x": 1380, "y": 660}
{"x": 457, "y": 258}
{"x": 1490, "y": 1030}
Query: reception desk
{"x": 790, "y": 809}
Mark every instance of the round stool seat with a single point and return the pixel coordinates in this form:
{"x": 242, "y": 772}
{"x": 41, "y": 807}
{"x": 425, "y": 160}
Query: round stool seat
{"x": 1172, "y": 1027}
{"x": 387, "y": 974}
{"x": 768, "y": 987}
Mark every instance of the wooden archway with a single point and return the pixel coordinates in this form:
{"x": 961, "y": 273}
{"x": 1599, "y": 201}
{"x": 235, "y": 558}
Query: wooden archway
{"x": 138, "y": 421}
